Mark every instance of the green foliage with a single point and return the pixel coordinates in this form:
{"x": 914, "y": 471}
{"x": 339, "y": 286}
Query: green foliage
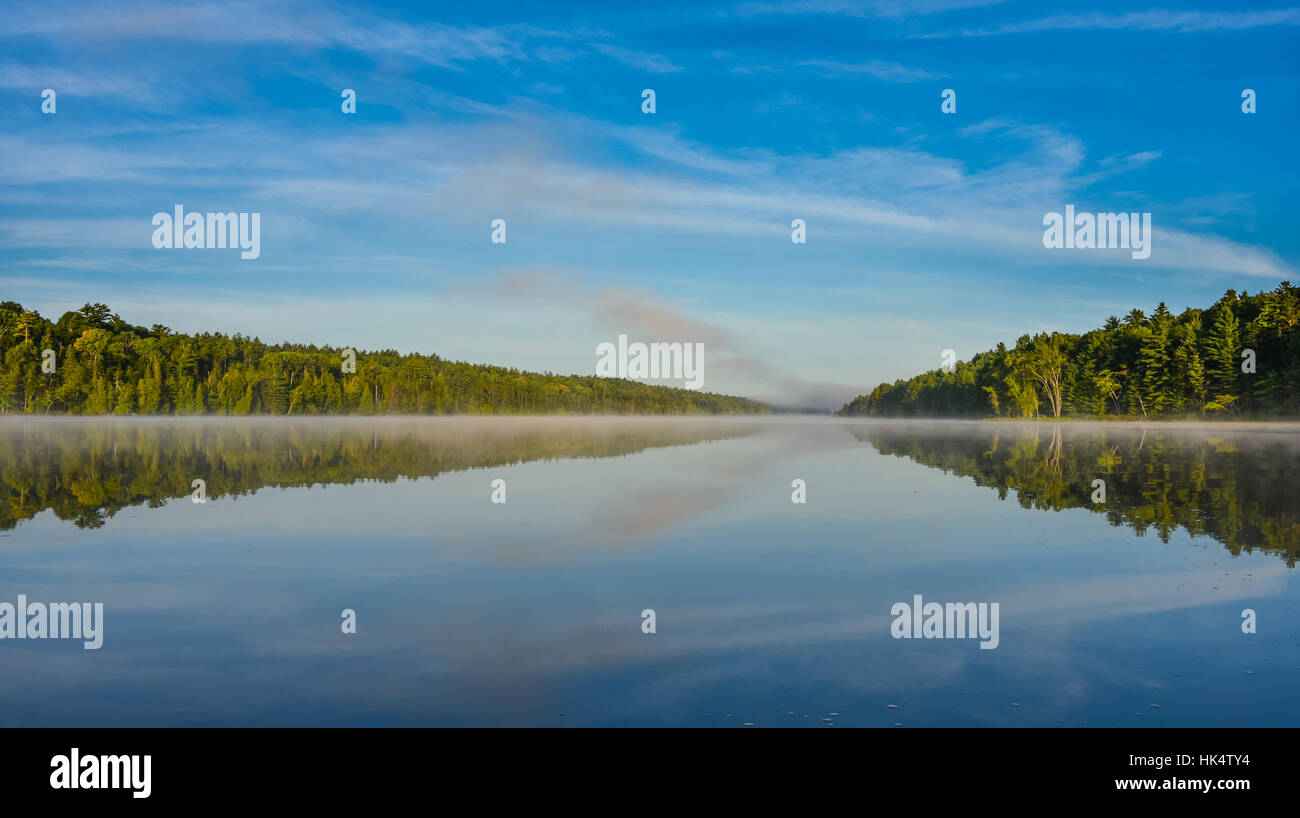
{"x": 107, "y": 366}
{"x": 1158, "y": 366}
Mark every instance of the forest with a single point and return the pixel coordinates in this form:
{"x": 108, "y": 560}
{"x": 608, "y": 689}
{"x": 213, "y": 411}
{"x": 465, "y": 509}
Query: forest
{"x": 103, "y": 365}
{"x": 1239, "y": 358}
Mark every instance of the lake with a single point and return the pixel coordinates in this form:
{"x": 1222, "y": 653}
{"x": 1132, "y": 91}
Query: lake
{"x": 1122, "y": 611}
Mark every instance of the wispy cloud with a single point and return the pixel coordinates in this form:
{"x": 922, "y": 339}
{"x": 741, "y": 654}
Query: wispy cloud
{"x": 732, "y": 358}
{"x": 879, "y": 69}
{"x": 859, "y": 8}
{"x": 882, "y": 196}
{"x": 1175, "y": 21}
{"x": 644, "y": 61}
{"x": 876, "y": 69}
{"x": 31, "y": 78}
{"x": 256, "y": 23}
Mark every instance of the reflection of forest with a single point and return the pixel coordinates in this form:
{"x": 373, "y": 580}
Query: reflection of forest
{"x": 86, "y": 472}
{"x": 1242, "y": 489}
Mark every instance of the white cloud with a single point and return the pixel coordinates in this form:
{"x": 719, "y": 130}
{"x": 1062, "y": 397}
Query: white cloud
{"x": 1176, "y": 21}
{"x": 293, "y": 23}
{"x": 879, "y": 69}
{"x": 858, "y": 8}
{"x": 653, "y": 63}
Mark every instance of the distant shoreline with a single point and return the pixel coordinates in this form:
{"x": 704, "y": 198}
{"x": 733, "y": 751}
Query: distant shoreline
{"x": 769, "y": 419}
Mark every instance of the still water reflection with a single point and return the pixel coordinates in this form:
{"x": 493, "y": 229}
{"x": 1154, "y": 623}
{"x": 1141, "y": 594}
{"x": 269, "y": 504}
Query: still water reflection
{"x": 528, "y": 612}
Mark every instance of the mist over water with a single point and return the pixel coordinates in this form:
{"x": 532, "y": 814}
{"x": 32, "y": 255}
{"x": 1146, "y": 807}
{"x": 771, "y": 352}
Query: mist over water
{"x": 471, "y": 612}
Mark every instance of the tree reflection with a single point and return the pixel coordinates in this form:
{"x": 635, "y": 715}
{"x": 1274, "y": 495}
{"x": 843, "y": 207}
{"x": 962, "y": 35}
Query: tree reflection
{"x": 87, "y": 471}
{"x": 1241, "y": 488}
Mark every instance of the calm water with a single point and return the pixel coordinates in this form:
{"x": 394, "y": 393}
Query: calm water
{"x": 471, "y": 612}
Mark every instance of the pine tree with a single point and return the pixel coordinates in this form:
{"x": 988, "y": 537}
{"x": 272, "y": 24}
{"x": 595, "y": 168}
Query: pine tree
{"x": 1154, "y": 359}
{"x": 1191, "y": 370}
{"x": 1222, "y": 353}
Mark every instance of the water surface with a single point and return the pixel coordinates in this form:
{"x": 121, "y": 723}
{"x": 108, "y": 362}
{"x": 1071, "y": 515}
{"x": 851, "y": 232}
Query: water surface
{"x": 528, "y": 612}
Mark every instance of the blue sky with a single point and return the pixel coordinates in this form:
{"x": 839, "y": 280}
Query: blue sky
{"x": 924, "y": 229}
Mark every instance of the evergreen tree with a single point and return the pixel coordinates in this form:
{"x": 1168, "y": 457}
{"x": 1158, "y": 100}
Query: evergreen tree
{"x": 1222, "y": 354}
{"x": 1157, "y": 366}
{"x": 106, "y": 365}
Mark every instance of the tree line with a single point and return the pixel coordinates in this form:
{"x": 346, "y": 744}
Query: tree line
{"x": 103, "y": 365}
{"x": 1240, "y": 357}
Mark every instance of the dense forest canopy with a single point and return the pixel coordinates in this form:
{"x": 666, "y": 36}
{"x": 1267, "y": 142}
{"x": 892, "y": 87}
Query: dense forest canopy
{"x": 1162, "y": 365}
{"x": 103, "y": 365}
